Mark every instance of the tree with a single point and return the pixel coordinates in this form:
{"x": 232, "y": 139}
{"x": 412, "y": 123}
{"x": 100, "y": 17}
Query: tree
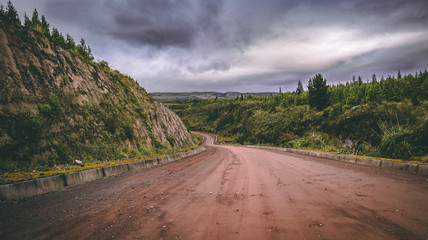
{"x": 11, "y": 12}
{"x": 299, "y": 89}
{"x": 27, "y": 21}
{"x": 45, "y": 25}
{"x": 360, "y": 81}
{"x": 35, "y": 19}
{"x": 2, "y": 12}
{"x": 398, "y": 74}
{"x": 89, "y": 53}
{"x": 318, "y": 95}
{"x": 374, "y": 78}
{"x": 69, "y": 42}
{"x": 83, "y": 44}
{"x": 57, "y": 37}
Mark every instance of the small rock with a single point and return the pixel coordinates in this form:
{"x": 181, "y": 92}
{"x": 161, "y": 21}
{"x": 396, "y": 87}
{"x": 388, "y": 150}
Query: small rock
{"x": 146, "y": 196}
{"x": 237, "y": 210}
{"x": 320, "y": 225}
{"x": 211, "y": 192}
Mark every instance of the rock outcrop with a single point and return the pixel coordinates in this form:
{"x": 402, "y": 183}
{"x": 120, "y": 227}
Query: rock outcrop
{"x": 56, "y": 106}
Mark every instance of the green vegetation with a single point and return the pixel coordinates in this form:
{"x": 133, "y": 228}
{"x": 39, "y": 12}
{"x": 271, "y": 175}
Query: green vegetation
{"x": 386, "y": 118}
{"x": 47, "y": 171}
{"x": 59, "y": 105}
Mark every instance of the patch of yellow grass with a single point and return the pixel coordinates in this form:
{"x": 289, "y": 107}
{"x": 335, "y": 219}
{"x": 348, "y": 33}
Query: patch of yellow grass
{"x": 62, "y": 169}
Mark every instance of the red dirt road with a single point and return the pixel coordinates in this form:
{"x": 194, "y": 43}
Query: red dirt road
{"x": 231, "y": 192}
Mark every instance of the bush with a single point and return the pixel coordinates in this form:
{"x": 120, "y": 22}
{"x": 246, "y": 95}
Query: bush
{"x": 394, "y": 142}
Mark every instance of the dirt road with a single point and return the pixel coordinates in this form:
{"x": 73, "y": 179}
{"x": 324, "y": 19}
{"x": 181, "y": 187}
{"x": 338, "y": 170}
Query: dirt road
{"x": 231, "y": 192}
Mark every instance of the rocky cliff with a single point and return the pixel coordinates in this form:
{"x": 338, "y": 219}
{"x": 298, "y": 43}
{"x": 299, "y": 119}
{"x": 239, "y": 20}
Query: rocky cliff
{"x": 56, "y": 106}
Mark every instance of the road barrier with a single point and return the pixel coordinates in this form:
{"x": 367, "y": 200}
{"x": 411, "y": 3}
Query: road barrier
{"x": 421, "y": 169}
{"x": 25, "y": 189}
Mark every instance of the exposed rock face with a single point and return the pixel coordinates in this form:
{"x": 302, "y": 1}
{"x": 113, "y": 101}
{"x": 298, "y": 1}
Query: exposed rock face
{"x": 54, "y": 105}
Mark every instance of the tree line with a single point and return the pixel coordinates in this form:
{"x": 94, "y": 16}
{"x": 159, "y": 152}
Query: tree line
{"x": 42, "y": 26}
{"x": 386, "y": 117}
{"x": 356, "y": 92}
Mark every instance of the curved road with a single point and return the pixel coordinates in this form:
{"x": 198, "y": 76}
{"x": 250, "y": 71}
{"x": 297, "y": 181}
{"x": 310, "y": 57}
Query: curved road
{"x": 231, "y": 192}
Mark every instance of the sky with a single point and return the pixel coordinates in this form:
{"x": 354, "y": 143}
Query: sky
{"x": 244, "y": 45}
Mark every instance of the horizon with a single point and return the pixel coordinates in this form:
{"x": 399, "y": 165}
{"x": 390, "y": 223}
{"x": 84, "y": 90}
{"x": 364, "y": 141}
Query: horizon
{"x": 244, "y": 46}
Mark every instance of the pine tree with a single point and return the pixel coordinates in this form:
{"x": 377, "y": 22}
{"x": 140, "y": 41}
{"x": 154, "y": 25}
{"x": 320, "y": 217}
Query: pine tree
{"x": 89, "y": 53}
{"x": 57, "y": 37}
{"x": 35, "y": 19}
{"x": 374, "y": 78}
{"x": 299, "y": 89}
{"x": 27, "y": 21}
{"x": 69, "y": 42}
{"x": 45, "y": 25}
{"x": 399, "y": 74}
{"x": 360, "y": 81}
{"x": 318, "y": 95}
{"x": 83, "y": 44}
{"x": 11, "y": 12}
{"x": 2, "y": 12}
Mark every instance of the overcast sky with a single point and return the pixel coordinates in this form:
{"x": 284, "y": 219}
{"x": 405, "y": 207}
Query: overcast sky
{"x": 244, "y": 45}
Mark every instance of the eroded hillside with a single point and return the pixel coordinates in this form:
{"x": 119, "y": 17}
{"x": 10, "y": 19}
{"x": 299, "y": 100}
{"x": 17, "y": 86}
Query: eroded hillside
{"x": 56, "y": 106}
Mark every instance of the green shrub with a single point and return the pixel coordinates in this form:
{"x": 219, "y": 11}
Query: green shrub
{"x": 394, "y": 142}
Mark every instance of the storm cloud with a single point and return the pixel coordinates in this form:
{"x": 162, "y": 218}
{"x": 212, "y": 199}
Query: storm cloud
{"x": 245, "y": 45}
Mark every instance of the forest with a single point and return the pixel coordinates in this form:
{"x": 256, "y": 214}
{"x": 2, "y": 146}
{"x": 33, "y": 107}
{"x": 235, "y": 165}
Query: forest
{"x": 381, "y": 118}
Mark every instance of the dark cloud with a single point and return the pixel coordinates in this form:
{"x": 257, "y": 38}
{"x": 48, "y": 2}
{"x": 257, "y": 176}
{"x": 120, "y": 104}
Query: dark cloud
{"x": 163, "y": 23}
{"x": 246, "y": 45}
{"x": 155, "y": 22}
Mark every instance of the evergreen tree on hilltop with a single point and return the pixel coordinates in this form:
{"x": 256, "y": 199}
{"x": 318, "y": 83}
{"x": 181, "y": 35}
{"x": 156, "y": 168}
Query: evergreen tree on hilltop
{"x": 317, "y": 89}
{"x": 45, "y": 25}
{"x": 11, "y": 12}
{"x": 35, "y": 19}
{"x": 299, "y": 89}
{"x": 69, "y": 42}
{"x": 27, "y": 21}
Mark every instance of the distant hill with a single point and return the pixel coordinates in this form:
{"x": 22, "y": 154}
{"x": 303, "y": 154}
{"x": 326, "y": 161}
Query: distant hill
{"x": 57, "y": 104}
{"x": 182, "y": 97}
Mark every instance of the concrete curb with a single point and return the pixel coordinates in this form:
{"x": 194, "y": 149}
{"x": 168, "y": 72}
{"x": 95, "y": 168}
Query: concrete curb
{"x": 421, "y": 169}
{"x": 25, "y": 189}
